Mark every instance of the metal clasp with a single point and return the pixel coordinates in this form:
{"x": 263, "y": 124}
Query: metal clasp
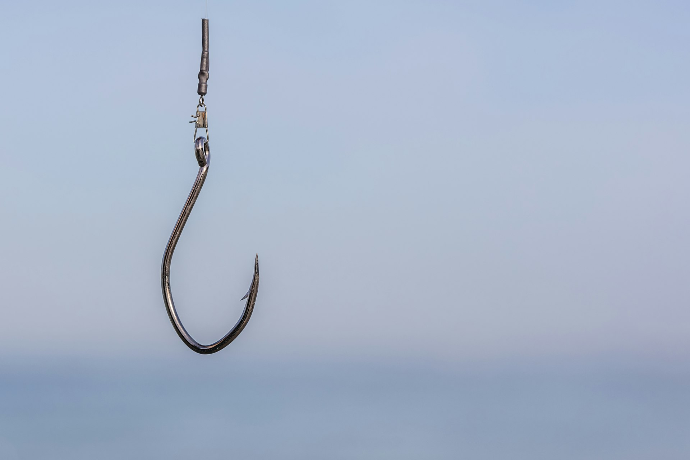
{"x": 200, "y": 120}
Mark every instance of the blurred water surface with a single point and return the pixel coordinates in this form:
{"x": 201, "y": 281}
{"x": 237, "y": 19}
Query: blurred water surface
{"x": 85, "y": 410}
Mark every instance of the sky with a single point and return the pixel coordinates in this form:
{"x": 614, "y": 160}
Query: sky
{"x": 446, "y": 183}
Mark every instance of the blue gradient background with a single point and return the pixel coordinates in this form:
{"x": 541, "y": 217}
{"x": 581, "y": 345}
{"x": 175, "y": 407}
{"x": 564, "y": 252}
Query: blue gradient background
{"x": 472, "y": 221}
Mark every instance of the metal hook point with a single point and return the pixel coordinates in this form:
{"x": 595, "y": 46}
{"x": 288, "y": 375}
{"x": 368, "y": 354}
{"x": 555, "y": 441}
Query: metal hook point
{"x": 256, "y": 274}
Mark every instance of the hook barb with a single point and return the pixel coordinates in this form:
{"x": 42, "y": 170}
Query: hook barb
{"x": 256, "y": 270}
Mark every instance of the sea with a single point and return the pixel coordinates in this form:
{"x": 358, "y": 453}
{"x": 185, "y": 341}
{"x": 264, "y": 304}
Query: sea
{"x": 224, "y": 408}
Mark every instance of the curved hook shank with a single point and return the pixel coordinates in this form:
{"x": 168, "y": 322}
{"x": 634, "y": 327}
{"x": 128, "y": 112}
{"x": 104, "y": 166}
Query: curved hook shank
{"x": 203, "y": 157}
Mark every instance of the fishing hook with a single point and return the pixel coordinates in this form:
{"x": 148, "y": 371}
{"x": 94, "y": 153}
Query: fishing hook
{"x": 202, "y": 152}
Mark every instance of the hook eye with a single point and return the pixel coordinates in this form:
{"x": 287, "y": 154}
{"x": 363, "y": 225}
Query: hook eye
{"x": 201, "y": 151}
